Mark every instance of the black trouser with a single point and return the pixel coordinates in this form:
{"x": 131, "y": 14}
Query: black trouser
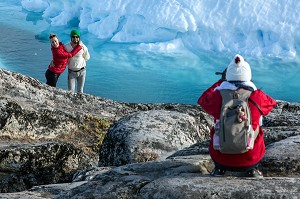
{"x": 51, "y": 78}
{"x": 236, "y": 169}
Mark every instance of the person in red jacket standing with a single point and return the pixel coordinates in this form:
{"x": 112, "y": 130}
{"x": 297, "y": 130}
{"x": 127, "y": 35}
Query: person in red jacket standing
{"x": 238, "y": 75}
{"x": 59, "y": 60}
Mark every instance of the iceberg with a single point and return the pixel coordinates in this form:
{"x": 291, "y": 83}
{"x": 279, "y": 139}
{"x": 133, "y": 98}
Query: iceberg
{"x": 251, "y": 27}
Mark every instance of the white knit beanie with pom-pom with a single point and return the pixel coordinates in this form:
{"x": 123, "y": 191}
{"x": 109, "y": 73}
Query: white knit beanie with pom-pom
{"x": 238, "y": 70}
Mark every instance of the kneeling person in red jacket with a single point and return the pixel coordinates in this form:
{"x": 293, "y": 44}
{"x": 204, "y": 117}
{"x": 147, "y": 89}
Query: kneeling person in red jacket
{"x": 238, "y": 75}
{"x": 59, "y": 60}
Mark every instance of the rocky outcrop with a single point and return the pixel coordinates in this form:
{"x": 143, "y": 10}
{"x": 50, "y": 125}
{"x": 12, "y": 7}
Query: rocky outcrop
{"x": 32, "y": 113}
{"x": 52, "y": 140}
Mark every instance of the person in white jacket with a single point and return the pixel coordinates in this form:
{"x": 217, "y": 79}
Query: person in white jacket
{"x": 77, "y": 64}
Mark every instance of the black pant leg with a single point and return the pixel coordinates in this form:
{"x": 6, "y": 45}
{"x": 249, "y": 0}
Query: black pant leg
{"x": 51, "y": 78}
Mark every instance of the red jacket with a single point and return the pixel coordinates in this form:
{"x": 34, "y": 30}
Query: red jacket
{"x": 211, "y": 102}
{"x": 60, "y": 58}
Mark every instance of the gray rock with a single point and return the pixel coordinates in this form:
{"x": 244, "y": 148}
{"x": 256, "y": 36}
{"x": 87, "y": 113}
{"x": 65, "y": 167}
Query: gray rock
{"x": 275, "y": 134}
{"x": 285, "y": 114}
{"x": 48, "y": 134}
{"x": 182, "y": 177}
{"x": 26, "y": 165}
{"x": 282, "y": 158}
{"x": 149, "y": 135}
{"x": 197, "y": 186}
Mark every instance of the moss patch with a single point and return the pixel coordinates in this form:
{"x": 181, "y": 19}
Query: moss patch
{"x": 94, "y": 125}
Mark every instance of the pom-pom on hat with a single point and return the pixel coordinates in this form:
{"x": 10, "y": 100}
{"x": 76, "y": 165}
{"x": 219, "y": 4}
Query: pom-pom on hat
{"x": 75, "y": 32}
{"x": 238, "y": 70}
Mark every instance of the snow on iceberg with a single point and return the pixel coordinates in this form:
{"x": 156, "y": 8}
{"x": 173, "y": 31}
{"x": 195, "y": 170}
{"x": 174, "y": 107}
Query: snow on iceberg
{"x": 250, "y": 27}
{"x": 34, "y": 5}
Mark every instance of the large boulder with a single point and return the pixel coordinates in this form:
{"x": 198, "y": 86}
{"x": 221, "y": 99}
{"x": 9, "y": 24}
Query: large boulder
{"x": 150, "y": 135}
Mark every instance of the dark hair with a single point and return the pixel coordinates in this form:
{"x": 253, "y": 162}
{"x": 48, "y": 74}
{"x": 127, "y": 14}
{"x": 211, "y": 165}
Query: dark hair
{"x": 52, "y": 35}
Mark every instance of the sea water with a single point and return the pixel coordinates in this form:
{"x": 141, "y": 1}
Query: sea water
{"x": 122, "y": 72}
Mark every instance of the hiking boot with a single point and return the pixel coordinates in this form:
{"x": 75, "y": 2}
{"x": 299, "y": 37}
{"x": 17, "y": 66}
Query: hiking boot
{"x": 217, "y": 172}
{"x": 254, "y": 173}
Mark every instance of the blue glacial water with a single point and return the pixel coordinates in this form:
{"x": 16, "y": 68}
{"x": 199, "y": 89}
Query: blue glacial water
{"x": 118, "y": 72}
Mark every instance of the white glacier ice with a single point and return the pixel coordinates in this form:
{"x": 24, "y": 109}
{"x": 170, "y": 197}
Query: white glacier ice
{"x": 251, "y": 27}
{"x": 35, "y": 6}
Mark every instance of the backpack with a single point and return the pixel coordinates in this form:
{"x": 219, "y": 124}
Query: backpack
{"x": 233, "y": 132}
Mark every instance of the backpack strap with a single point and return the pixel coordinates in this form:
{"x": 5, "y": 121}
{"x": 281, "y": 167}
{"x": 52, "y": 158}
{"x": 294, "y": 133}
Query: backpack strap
{"x": 255, "y": 104}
